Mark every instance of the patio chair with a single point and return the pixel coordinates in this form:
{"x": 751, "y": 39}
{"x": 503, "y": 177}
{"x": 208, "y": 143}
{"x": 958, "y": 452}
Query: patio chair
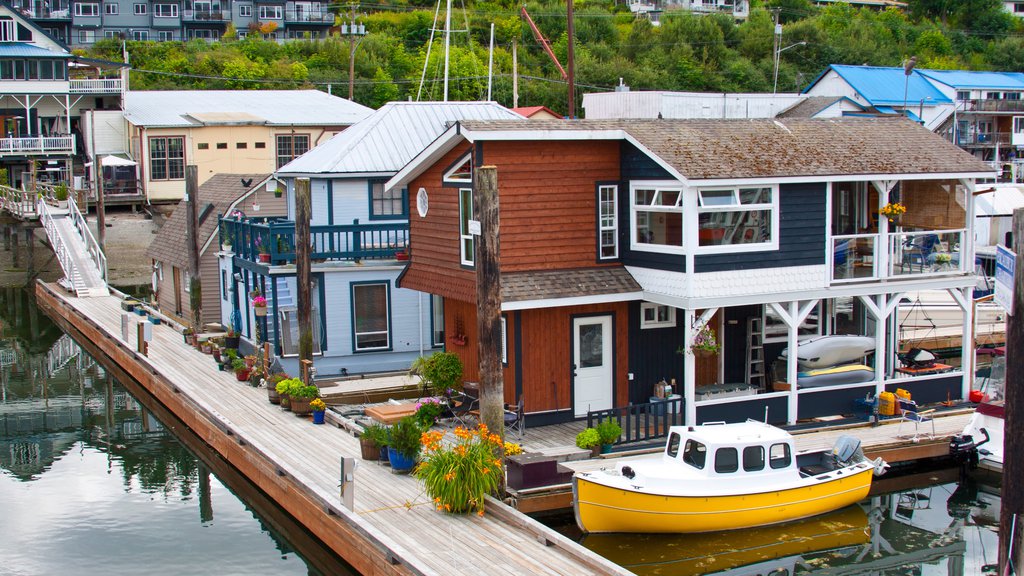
{"x": 909, "y": 413}
{"x": 462, "y": 408}
{"x": 515, "y": 418}
{"x": 917, "y": 251}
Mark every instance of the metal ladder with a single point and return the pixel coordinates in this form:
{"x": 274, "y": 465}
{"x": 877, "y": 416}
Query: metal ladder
{"x": 755, "y": 351}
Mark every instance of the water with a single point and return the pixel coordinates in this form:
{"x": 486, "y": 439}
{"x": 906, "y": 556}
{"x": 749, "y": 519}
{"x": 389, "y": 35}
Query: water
{"x": 92, "y": 482}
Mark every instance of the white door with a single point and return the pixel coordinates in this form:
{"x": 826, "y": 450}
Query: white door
{"x": 592, "y": 364}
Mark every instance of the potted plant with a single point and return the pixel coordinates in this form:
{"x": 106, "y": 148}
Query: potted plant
{"x": 256, "y": 376}
{"x": 284, "y": 388}
{"x": 241, "y": 370}
{"x": 264, "y": 252}
{"x": 301, "y": 395}
{"x": 318, "y": 407}
{"x": 442, "y": 371}
{"x": 372, "y": 440}
{"x": 458, "y": 477}
{"x": 893, "y": 211}
{"x": 60, "y": 193}
{"x": 704, "y": 343}
{"x": 404, "y": 444}
{"x": 589, "y": 439}
{"x": 215, "y": 350}
{"x": 272, "y": 383}
{"x": 259, "y": 306}
{"x": 231, "y": 339}
{"x": 608, "y": 430}
{"x": 278, "y": 192}
{"x": 428, "y": 411}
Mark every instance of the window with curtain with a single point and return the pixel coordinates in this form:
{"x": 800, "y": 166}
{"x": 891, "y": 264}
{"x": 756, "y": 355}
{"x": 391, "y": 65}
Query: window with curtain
{"x": 370, "y": 317}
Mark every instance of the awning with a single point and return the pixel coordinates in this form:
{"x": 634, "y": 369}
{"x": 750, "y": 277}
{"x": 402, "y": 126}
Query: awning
{"x": 111, "y": 160}
{"x": 1000, "y": 202}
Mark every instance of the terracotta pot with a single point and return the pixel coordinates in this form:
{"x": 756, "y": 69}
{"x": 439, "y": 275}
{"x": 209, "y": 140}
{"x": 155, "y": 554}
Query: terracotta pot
{"x": 242, "y": 375}
{"x": 264, "y": 258}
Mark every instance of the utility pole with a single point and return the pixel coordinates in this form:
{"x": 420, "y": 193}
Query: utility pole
{"x": 447, "y": 43}
{"x": 488, "y": 300}
{"x": 195, "y": 295}
{"x": 355, "y": 33}
{"x": 1010, "y": 549}
{"x": 303, "y": 213}
{"x": 570, "y": 56}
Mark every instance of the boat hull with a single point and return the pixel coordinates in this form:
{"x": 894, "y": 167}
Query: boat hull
{"x": 603, "y": 508}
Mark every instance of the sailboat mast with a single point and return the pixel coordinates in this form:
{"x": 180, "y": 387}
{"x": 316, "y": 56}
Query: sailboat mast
{"x": 447, "y": 43}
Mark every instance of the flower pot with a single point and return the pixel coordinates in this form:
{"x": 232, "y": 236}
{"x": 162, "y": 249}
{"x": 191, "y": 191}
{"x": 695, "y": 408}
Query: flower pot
{"x": 264, "y": 258}
{"x": 368, "y": 449}
{"x": 277, "y": 194}
{"x": 272, "y": 394}
{"x": 399, "y": 462}
{"x": 384, "y": 455}
{"x": 154, "y": 320}
{"x": 187, "y": 338}
{"x": 286, "y": 402}
{"x": 231, "y": 342}
{"x": 221, "y": 367}
{"x": 242, "y": 375}
{"x": 595, "y": 451}
{"x": 606, "y": 448}
{"x": 260, "y": 310}
{"x": 702, "y": 353}
{"x": 318, "y": 416}
{"x": 250, "y": 362}
{"x": 300, "y": 406}
{"x": 140, "y": 311}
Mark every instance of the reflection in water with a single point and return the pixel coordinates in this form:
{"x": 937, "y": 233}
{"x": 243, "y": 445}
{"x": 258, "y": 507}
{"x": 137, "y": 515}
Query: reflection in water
{"x": 938, "y": 528}
{"x": 92, "y": 483}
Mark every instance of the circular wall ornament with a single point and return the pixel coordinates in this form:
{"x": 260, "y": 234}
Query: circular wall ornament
{"x": 422, "y": 202}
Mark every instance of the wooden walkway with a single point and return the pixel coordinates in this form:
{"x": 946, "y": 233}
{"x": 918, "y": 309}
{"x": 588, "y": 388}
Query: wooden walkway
{"x": 393, "y": 529}
{"x": 80, "y": 257}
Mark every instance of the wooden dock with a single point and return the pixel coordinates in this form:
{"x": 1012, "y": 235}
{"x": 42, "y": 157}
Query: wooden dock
{"x": 393, "y": 528}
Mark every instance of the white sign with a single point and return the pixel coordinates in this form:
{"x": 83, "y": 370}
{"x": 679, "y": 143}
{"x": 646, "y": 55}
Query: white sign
{"x": 474, "y": 227}
{"x": 1006, "y": 262}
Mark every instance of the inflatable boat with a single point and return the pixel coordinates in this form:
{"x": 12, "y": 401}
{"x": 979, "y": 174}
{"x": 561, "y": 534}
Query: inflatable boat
{"x": 827, "y": 351}
{"x": 835, "y": 375}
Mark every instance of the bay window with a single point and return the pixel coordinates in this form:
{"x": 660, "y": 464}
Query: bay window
{"x": 657, "y": 216}
{"x": 730, "y": 217}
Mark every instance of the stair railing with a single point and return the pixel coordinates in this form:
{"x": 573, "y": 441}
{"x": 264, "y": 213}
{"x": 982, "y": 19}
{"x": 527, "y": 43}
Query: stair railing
{"x": 91, "y": 245}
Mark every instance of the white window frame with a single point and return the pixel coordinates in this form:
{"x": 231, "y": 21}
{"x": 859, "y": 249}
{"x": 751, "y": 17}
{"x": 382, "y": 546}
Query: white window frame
{"x": 504, "y": 341}
{"x": 436, "y": 332}
{"x": 387, "y": 316}
{"x": 669, "y": 319}
{"x": 245, "y": 10}
{"x": 86, "y": 36}
{"x": 165, "y": 35}
{"x": 449, "y": 174}
{"x": 271, "y": 12}
{"x": 158, "y": 12}
{"x": 737, "y": 206}
{"x": 7, "y": 31}
{"x": 467, "y": 259}
{"x": 111, "y": 9}
{"x": 140, "y": 9}
{"x": 81, "y": 11}
{"x": 1018, "y": 124}
{"x": 140, "y": 35}
{"x": 608, "y": 222}
{"x": 635, "y": 213}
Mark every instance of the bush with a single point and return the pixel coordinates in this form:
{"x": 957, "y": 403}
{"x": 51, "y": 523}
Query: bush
{"x": 457, "y": 477}
{"x": 428, "y": 411}
{"x": 441, "y": 371}
{"x": 404, "y": 437}
{"x": 588, "y": 438}
{"x": 376, "y": 433}
{"x": 609, "y": 430}
{"x": 300, "y": 390}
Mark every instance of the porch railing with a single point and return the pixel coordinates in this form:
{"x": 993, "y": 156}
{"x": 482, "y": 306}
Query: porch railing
{"x": 641, "y": 422}
{"x": 276, "y": 239}
{"x": 94, "y": 85}
{"x": 38, "y": 145}
{"x": 928, "y": 252}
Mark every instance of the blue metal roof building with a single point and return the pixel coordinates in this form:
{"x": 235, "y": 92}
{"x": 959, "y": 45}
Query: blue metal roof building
{"x": 887, "y": 86}
{"x": 965, "y": 79}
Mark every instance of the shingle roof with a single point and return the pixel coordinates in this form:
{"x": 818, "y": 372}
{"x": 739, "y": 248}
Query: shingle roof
{"x": 809, "y": 106}
{"x": 221, "y": 190}
{"x": 390, "y": 137}
{"x": 274, "y": 107}
{"x": 753, "y": 148}
{"x": 554, "y": 284}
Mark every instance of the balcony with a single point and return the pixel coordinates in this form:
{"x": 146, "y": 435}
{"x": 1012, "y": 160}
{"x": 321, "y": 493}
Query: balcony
{"x": 855, "y": 257}
{"x": 37, "y": 145}
{"x": 993, "y": 105}
{"x": 214, "y": 16}
{"x": 983, "y": 139}
{"x": 298, "y": 16}
{"x": 274, "y": 240}
{"x": 95, "y": 86}
{"x": 44, "y": 13}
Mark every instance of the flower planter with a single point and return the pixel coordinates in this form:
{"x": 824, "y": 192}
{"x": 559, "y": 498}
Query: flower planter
{"x": 139, "y": 310}
{"x": 242, "y": 375}
{"x": 383, "y": 457}
{"x": 318, "y": 416}
{"x": 264, "y": 258}
{"x": 221, "y": 367}
{"x": 595, "y": 451}
{"x": 260, "y": 310}
{"x": 399, "y": 462}
{"x": 272, "y": 395}
{"x": 300, "y": 406}
{"x": 606, "y": 448}
{"x": 286, "y": 402}
{"x": 154, "y": 320}
{"x": 368, "y": 449}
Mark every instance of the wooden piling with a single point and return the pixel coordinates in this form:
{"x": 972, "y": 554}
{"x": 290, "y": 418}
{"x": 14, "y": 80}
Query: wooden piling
{"x": 1013, "y": 443}
{"x": 488, "y": 300}
{"x": 195, "y": 297}
{"x": 303, "y": 214}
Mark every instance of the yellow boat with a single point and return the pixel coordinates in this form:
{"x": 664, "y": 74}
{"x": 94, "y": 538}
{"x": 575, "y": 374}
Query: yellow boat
{"x": 722, "y": 477}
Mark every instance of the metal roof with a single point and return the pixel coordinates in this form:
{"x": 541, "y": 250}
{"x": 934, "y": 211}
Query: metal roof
{"x": 888, "y": 86}
{"x": 391, "y": 137}
{"x": 22, "y": 49}
{"x": 966, "y": 79}
{"x": 169, "y": 108}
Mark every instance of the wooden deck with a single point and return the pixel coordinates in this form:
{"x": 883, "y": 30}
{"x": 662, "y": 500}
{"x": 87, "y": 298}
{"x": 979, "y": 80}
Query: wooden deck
{"x": 393, "y": 528}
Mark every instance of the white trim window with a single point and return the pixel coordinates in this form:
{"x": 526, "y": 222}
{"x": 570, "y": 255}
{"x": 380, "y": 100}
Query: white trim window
{"x": 371, "y": 320}
{"x": 504, "y": 341}
{"x": 245, "y": 10}
{"x": 271, "y": 12}
{"x": 140, "y": 9}
{"x": 111, "y": 9}
{"x": 656, "y": 316}
{"x": 87, "y": 9}
{"x": 657, "y": 217}
{"x": 608, "y": 221}
{"x": 165, "y": 10}
{"x": 737, "y": 216}
{"x": 462, "y": 171}
{"x": 436, "y": 321}
{"x": 467, "y": 244}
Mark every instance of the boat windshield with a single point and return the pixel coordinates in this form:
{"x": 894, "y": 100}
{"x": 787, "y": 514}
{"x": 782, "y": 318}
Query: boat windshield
{"x": 695, "y": 454}
{"x": 778, "y": 456}
{"x": 672, "y": 449}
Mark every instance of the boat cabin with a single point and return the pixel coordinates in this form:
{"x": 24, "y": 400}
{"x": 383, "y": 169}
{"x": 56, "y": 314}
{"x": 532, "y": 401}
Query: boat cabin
{"x": 735, "y": 449}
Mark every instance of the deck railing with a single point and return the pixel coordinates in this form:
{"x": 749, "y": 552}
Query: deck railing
{"x": 927, "y": 252}
{"x": 20, "y": 203}
{"x": 38, "y": 145}
{"x": 276, "y": 239}
{"x": 95, "y": 85}
{"x": 642, "y": 422}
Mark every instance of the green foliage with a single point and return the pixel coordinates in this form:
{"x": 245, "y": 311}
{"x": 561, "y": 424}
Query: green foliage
{"x": 588, "y": 438}
{"x": 442, "y": 371}
{"x": 238, "y": 365}
{"x": 300, "y": 390}
{"x": 608, "y": 430}
{"x": 428, "y": 411}
{"x": 404, "y": 437}
{"x": 376, "y": 433}
{"x": 458, "y": 476}
{"x": 60, "y": 191}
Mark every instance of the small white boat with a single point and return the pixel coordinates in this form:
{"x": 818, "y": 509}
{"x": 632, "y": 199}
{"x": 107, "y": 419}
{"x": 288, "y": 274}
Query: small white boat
{"x": 981, "y": 443}
{"x": 722, "y": 477}
{"x": 827, "y": 351}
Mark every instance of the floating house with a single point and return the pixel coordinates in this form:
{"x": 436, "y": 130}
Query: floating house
{"x": 625, "y": 242}
{"x": 362, "y": 320}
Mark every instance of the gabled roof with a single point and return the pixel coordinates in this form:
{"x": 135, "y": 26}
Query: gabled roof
{"x": 887, "y": 86}
{"x": 812, "y": 105}
{"x": 387, "y": 139}
{"x": 222, "y": 191}
{"x": 37, "y": 32}
{"x": 966, "y": 79}
{"x": 530, "y": 111}
{"x": 722, "y": 149}
{"x": 170, "y": 108}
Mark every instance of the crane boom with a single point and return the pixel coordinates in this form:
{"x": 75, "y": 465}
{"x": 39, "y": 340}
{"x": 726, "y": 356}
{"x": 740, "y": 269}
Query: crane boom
{"x": 544, "y": 43}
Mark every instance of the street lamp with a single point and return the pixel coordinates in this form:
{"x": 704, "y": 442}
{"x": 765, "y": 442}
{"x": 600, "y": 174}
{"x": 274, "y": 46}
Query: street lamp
{"x": 908, "y": 69}
{"x": 355, "y": 33}
{"x": 920, "y": 108}
{"x": 775, "y": 83}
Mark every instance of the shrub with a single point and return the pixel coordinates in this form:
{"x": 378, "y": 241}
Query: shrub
{"x": 441, "y": 371}
{"x": 428, "y": 411}
{"x": 588, "y": 438}
{"x": 300, "y": 390}
{"x": 376, "y": 433}
{"x": 404, "y": 437}
{"x": 608, "y": 430}
{"x": 457, "y": 477}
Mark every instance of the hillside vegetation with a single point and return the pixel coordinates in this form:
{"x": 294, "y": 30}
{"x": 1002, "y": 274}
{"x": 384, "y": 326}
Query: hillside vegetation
{"x": 686, "y": 52}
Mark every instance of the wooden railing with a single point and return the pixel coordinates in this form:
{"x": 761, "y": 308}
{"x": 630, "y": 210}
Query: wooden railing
{"x": 18, "y": 202}
{"x": 642, "y": 422}
{"x": 276, "y": 239}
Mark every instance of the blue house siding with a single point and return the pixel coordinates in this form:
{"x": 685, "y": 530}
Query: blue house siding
{"x": 652, "y": 355}
{"x": 802, "y": 221}
{"x": 635, "y": 165}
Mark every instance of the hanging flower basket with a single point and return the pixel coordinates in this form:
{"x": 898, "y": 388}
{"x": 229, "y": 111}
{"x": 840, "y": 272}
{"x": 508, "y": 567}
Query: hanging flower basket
{"x": 893, "y": 211}
{"x": 260, "y": 310}
{"x": 705, "y": 343}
